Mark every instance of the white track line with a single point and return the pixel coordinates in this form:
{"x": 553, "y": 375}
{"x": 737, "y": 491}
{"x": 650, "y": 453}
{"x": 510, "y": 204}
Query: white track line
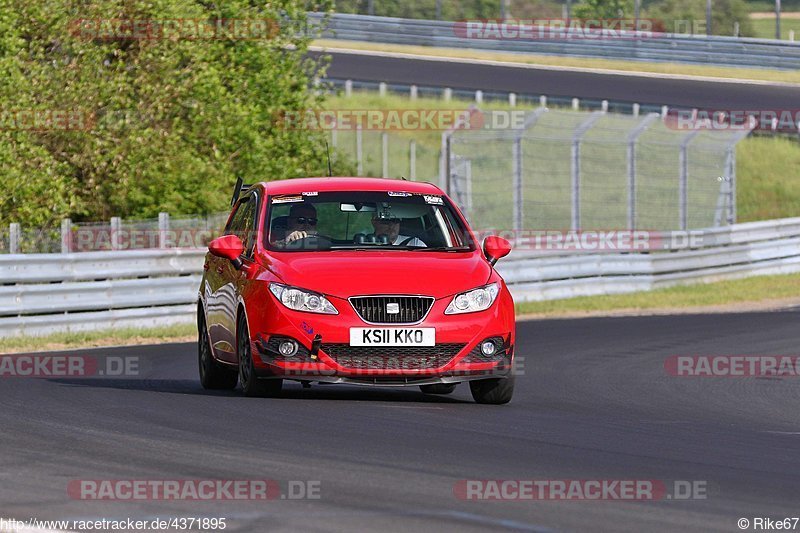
{"x": 533, "y": 66}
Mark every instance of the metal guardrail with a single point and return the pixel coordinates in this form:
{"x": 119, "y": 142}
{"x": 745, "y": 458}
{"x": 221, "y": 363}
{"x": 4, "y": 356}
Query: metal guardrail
{"x": 716, "y": 50}
{"x": 46, "y": 293}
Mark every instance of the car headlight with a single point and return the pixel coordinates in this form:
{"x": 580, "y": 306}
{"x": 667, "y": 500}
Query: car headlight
{"x": 475, "y": 300}
{"x": 301, "y": 300}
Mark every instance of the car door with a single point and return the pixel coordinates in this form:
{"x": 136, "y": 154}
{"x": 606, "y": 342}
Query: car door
{"x": 228, "y": 295}
{"x": 219, "y": 290}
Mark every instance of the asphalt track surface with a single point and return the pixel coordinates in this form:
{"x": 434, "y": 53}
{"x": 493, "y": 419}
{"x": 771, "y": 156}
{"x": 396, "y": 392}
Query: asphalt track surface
{"x": 613, "y": 87}
{"x": 594, "y": 403}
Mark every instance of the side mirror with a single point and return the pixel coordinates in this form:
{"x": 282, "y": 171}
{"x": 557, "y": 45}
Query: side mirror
{"x": 228, "y": 247}
{"x": 495, "y": 248}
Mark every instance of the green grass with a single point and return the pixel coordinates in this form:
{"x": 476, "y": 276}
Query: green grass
{"x": 129, "y": 336}
{"x": 768, "y": 168}
{"x": 765, "y": 28}
{"x": 722, "y": 293}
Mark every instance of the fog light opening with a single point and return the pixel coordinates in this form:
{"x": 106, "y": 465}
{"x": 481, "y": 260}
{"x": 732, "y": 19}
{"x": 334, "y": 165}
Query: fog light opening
{"x": 488, "y": 348}
{"x": 288, "y": 348}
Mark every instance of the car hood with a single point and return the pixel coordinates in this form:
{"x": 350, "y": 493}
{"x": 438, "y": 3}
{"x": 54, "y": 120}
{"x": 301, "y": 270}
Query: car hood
{"x": 350, "y": 273}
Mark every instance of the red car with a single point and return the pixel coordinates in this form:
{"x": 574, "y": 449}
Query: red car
{"x": 354, "y": 280}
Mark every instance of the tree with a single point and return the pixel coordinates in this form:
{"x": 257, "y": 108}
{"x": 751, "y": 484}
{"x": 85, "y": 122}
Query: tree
{"x": 162, "y": 123}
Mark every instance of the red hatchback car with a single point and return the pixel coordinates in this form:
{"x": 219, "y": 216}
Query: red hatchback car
{"x": 354, "y": 280}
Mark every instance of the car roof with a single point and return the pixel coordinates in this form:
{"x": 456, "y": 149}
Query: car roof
{"x": 299, "y": 185}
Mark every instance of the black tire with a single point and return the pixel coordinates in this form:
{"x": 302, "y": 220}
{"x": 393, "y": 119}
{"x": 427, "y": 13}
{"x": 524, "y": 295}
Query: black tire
{"x": 438, "y": 388}
{"x": 492, "y": 391}
{"x": 252, "y": 386}
{"x": 213, "y": 375}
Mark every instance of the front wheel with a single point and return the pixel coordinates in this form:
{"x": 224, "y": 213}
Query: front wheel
{"x": 213, "y": 375}
{"x": 492, "y": 391}
{"x": 251, "y": 385}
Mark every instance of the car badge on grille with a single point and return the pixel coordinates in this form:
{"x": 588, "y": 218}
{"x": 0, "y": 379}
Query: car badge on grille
{"x": 393, "y": 308}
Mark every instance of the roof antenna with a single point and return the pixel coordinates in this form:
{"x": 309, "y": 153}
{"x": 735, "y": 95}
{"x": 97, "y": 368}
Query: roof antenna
{"x": 328, "y": 151}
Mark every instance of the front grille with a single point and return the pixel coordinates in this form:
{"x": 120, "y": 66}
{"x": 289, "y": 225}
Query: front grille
{"x": 372, "y": 309}
{"x": 392, "y": 357}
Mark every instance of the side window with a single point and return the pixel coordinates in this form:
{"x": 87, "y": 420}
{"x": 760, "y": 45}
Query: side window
{"x": 249, "y": 225}
{"x": 243, "y": 223}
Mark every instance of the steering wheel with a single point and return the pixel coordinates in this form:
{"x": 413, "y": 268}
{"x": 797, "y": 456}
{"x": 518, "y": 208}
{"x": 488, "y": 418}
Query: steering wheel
{"x": 311, "y": 242}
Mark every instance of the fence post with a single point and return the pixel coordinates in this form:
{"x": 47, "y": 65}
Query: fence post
{"x": 632, "y": 138}
{"x": 683, "y": 181}
{"x": 575, "y": 167}
{"x": 359, "y": 151}
{"x": 66, "y": 236}
{"x": 635, "y": 110}
{"x": 382, "y": 89}
{"x": 448, "y": 94}
{"x": 542, "y": 101}
{"x": 516, "y": 183}
{"x": 412, "y": 92}
{"x": 163, "y": 228}
{"x": 384, "y": 155}
{"x": 13, "y": 238}
{"x": 479, "y": 97}
{"x": 348, "y": 88}
{"x": 447, "y": 158}
{"x": 116, "y": 225}
{"x": 512, "y": 99}
{"x": 412, "y": 160}
{"x": 576, "y": 104}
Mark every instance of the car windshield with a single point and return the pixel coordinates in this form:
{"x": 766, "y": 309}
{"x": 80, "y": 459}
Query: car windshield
{"x": 363, "y": 221}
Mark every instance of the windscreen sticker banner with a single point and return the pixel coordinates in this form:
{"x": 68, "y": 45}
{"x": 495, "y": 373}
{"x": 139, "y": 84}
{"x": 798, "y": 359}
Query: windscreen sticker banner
{"x": 399, "y": 194}
{"x": 434, "y": 200}
{"x": 310, "y": 193}
{"x": 287, "y": 199}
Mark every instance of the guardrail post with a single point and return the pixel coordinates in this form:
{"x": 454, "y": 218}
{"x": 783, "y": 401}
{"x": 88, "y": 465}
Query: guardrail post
{"x": 412, "y": 160}
{"x": 116, "y": 226}
{"x": 384, "y": 155}
{"x": 348, "y": 88}
{"x": 359, "y": 151}
{"x": 13, "y": 238}
{"x": 66, "y": 236}
{"x": 163, "y": 228}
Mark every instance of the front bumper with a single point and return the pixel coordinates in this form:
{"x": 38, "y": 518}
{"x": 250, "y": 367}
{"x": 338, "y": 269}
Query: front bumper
{"x": 455, "y": 358}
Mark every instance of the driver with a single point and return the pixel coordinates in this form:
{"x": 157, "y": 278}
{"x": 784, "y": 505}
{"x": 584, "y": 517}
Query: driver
{"x": 388, "y": 225}
{"x": 301, "y": 223}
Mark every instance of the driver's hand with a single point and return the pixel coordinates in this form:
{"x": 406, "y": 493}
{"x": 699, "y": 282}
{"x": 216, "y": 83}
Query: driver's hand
{"x": 297, "y": 235}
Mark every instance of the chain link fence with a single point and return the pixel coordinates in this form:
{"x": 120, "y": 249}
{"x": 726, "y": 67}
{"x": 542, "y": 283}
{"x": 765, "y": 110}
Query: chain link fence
{"x": 593, "y": 170}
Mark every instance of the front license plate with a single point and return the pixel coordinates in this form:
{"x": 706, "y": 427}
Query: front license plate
{"x": 392, "y": 336}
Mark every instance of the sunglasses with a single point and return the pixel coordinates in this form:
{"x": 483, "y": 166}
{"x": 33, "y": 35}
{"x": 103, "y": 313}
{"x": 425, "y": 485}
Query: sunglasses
{"x": 306, "y": 220}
